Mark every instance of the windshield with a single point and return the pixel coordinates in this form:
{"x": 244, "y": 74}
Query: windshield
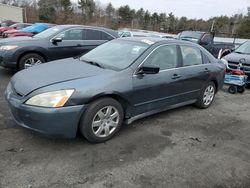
{"x": 117, "y": 54}
{"x": 244, "y": 48}
{"x": 4, "y": 24}
{"x": 48, "y": 33}
{"x": 190, "y": 35}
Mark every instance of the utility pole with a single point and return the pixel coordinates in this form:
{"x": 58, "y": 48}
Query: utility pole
{"x": 212, "y": 28}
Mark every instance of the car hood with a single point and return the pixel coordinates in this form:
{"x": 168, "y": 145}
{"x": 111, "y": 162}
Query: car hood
{"x": 54, "y": 72}
{"x": 4, "y": 28}
{"x": 235, "y": 57}
{"x": 11, "y": 31}
{"x": 16, "y": 40}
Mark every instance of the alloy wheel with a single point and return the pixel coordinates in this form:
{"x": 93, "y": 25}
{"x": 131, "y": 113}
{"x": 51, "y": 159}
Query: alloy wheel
{"x": 208, "y": 95}
{"x": 105, "y": 121}
{"x": 31, "y": 62}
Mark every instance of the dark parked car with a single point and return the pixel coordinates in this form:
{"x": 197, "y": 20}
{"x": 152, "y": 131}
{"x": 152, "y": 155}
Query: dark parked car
{"x": 119, "y": 81}
{"x": 239, "y": 59}
{"x": 55, "y": 43}
{"x": 206, "y": 39}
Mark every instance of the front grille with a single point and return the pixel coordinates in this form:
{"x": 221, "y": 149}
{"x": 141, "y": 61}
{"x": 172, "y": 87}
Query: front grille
{"x": 235, "y": 65}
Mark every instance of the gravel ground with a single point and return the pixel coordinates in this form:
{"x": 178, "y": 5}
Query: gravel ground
{"x": 185, "y": 147}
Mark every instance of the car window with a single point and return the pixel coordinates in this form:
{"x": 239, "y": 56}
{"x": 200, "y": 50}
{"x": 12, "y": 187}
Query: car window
{"x": 92, "y": 35}
{"x": 207, "y": 38}
{"x": 20, "y": 26}
{"x": 106, "y": 36}
{"x": 127, "y": 34}
{"x": 191, "y": 56}
{"x": 164, "y": 57}
{"x": 72, "y": 34}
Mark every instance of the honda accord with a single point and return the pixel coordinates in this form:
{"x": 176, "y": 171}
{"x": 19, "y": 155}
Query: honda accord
{"x": 118, "y": 82}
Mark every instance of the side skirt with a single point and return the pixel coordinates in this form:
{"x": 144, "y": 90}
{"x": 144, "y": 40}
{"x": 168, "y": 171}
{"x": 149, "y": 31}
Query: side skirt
{"x": 132, "y": 119}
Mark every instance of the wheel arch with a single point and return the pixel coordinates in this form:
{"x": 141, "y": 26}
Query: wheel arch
{"x": 216, "y": 84}
{"x": 31, "y": 52}
{"x": 126, "y": 105}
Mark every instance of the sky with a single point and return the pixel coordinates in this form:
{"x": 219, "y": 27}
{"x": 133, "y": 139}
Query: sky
{"x": 189, "y": 8}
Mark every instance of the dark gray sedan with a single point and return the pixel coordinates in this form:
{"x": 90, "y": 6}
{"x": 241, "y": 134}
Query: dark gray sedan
{"x": 117, "y": 82}
{"x": 58, "y": 42}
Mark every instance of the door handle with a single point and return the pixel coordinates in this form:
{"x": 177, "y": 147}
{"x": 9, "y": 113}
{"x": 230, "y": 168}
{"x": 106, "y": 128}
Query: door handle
{"x": 176, "y": 76}
{"x": 207, "y": 70}
{"x": 79, "y": 45}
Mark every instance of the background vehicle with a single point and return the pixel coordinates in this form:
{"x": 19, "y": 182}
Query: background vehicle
{"x": 122, "y": 80}
{"x": 14, "y": 28}
{"x": 206, "y": 39}
{"x": 31, "y": 30}
{"x": 239, "y": 59}
{"x": 143, "y": 33}
{"x": 5, "y": 26}
{"x": 55, "y": 43}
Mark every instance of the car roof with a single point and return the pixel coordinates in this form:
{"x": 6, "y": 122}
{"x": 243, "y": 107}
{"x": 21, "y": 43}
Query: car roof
{"x": 201, "y": 32}
{"x": 110, "y": 31}
{"x": 153, "y": 40}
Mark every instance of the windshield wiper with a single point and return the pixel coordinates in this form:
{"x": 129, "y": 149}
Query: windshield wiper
{"x": 238, "y": 52}
{"x": 93, "y": 63}
{"x": 188, "y": 37}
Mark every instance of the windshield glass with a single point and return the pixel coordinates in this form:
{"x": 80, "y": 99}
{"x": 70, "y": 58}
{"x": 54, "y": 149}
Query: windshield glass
{"x": 4, "y": 24}
{"x": 48, "y": 33}
{"x": 244, "y": 48}
{"x": 117, "y": 54}
{"x": 190, "y": 35}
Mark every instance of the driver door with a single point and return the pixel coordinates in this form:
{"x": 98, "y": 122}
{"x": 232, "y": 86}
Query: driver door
{"x": 72, "y": 44}
{"x": 156, "y": 91}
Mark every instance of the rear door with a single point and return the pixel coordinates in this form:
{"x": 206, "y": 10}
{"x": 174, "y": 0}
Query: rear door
{"x": 94, "y": 38}
{"x": 195, "y": 71}
{"x": 71, "y": 45}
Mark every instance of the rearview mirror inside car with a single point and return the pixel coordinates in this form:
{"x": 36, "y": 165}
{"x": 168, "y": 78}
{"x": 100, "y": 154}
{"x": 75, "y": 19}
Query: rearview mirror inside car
{"x": 148, "y": 70}
{"x": 56, "y": 40}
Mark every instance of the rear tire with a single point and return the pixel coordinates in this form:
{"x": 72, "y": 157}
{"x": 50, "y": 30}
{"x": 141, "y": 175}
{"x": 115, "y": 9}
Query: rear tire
{"x": 241, "y": 89}
{"x": 206, "y": 96}
{"x": 232, "y": 89}
{"x": 102, "y": 120}
{"x": 30, "y": 60}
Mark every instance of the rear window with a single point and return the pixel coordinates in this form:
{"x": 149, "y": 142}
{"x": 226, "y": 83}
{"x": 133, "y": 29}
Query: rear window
{"x": 106, "y": 36}
{"x": 92, "y": 35}
{"x": 191, "y": 56}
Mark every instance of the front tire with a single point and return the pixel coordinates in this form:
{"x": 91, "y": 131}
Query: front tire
{"x": 102, "y": 120}
{"x": 30, "y": 60}
{"x": 206, "y": 96}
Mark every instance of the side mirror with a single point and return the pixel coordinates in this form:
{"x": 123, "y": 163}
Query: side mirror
{"x": 56, "y": 40}
{"x": 148, "y": 70}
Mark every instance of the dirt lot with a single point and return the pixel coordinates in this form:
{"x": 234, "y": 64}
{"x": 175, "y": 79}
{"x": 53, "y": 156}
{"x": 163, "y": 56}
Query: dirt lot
{"x": 185, "y": 147}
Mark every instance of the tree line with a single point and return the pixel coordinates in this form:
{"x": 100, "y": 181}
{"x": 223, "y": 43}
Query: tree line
{"x": 92, "y": 12}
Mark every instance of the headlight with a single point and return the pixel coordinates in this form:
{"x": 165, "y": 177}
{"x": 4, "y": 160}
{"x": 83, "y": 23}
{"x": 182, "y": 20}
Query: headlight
{"x": 8, "y": 47}
{"x": 52, "y": 99}
{"x": 225, "y": 62}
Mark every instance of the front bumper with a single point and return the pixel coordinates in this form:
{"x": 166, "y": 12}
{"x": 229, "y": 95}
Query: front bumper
{"x": 56, "y": 122}
{"x": 7, "y": 60}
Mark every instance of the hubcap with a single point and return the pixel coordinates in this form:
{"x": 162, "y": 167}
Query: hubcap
{"x": 208, "y": 95}
{"x": 105, "y": 121}
{"x": 31, "y": 62}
